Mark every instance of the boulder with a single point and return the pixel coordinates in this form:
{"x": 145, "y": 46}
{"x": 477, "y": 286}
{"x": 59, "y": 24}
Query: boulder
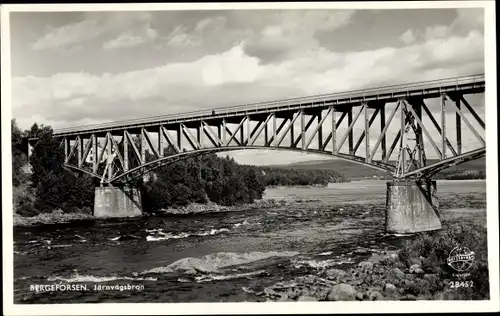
{"x": 366, "y": 266}
{"x": 412, "y": 261}
{"x": 335, "y": 274}
{"x": 407, "y": 283}
{"x": 359, "y": 296}
{"x": 293, "y": 293}
{"x": 416, "y": 269}
{"x": 400, "y": 265}
{"x": 307, "y": 286}
{"x": 390, "y": 289}
{"x": 342, "y": 292}
{"x": 392, "y": 257}
{"x": 305, "y": 298}
{"x": 409, "y": 297}
{"x": 283, "y": 298}
{"x": 396, "y": 274}
{"x": 375, "y": 296}
{"x": 376, "y": 257}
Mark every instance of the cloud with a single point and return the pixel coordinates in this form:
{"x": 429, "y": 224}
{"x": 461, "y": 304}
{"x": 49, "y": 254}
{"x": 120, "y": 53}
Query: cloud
{"x": 180, "y": 37}
{"x": 132, "y": 38}
{"x": 92, "y": 26}
{"x": 68, "y": 34}
{"x": 408, "y": 37}
{"x": 467, "y": 20}
{"x": 293, "y": 32}
{"x": 211, "y": 24}
{"x": 234, "y": 77}
{"x": 232, "y": 66}
{"x": 275, "y": 35}
{"x": 201, "y": 33}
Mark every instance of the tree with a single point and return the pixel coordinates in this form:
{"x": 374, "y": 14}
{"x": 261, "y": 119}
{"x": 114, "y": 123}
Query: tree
{"x": 19, "y": 147}
{"x": 47, "y": 155}
{"x": 55, "y": 186}
{"x": 65, "y": 191}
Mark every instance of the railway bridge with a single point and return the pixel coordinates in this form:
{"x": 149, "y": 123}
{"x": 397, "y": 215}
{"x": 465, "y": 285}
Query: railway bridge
{"x": 402, "y": 129}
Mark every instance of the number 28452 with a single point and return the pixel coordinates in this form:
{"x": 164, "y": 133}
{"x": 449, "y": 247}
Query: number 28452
{"x": 458, "y": 284}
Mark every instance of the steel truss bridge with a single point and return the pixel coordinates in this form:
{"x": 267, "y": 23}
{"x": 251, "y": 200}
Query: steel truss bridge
{"x": 120, "y": 151}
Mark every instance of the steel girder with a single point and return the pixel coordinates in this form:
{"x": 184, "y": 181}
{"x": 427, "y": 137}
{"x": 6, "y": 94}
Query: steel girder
{"x": 332, "y": 127}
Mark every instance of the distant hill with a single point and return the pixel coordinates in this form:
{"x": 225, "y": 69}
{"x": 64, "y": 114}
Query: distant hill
{"x": 354, "y": 171}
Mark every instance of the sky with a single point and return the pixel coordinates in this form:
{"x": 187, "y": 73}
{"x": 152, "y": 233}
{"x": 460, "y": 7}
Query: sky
{"x": 78, "y": 68}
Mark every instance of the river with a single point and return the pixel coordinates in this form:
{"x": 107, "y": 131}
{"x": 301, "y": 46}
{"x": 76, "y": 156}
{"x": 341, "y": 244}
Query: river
{"x": 217, "y": 257}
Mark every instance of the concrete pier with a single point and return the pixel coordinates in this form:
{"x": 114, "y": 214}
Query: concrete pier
{"x": 412, "y": 207}
{"x": 117, "y": 202}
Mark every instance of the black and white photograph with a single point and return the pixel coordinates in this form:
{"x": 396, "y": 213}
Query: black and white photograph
{"x": 297, "y": 154}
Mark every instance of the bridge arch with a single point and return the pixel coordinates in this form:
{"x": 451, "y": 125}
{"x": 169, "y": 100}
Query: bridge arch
{"x": 426, "y": 172}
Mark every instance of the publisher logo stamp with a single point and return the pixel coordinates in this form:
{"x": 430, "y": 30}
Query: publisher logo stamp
{"x": 461, "y": 259}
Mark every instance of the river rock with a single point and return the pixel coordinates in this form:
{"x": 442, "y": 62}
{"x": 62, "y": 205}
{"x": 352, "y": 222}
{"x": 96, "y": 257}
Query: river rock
{"x": 190, "y": 272}
{"x": 284, "y": 298}
{"x": 375, "y": 296}
{"x": 409, "y": 297}
{"x": 376, "y": 257}
{"x": 366, "y": 266}
{"x": 431, "y": 278}
{"x": 413, "y": 261}
{"x": 309, "y": 286}
{"x": 293, "y": 293}
{"x": 313, "y": 280}
{"x": 416, "y": 269}
{"x": 342, "y": 292}
{"x": 390, "y": 289}
{"x": 335, "y": 274}
{"x": 407, "y": 283}
{"x": 396, "y": 274}
{"x": 399, "y": 264}
{"x": 305, "y": 298}
{"x": 359, "y": 296}
{"x": 392, "y": 257}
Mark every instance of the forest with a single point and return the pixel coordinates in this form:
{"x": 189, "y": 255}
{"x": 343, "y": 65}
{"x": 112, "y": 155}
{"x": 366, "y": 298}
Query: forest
{"x": 48, "y": 185}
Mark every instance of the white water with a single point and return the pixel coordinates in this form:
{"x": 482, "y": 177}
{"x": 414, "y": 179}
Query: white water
{"x": 166, "y": 236}
{"x": 215, "y": 261}
{"x": 91, "y": 278}
{"x": 222, "y": 277}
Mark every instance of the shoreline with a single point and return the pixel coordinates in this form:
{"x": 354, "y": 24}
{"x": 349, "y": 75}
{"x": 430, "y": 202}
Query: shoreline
{"x": 59, "y": 217}
{"x": 416, "y": 271}
{"x": 195, "y": 208}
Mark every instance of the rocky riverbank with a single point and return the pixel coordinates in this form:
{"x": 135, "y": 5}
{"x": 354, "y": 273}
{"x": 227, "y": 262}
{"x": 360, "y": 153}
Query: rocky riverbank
{"x": 382, "y": 277}
{"x": 311, "y": 186}
{"x": 58, "y": 216}
{"x": 417, "y": 271}
{"x": 195, "y": 208}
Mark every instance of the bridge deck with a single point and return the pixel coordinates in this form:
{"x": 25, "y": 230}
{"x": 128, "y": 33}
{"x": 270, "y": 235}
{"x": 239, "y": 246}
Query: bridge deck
{"x": 341, "y": 101}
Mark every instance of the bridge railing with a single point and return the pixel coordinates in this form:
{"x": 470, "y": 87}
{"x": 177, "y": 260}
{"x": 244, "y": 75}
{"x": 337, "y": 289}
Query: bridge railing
{"x": 432, "y": 84}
